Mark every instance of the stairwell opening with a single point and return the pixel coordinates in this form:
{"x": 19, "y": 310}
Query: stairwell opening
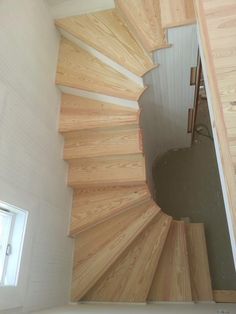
{"x": 187, "y": 186}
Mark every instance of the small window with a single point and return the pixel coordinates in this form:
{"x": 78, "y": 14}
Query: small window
{"x": 12, "y": 230}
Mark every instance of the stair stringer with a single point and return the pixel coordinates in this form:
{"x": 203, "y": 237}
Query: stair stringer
{"x": 104, "y": 263}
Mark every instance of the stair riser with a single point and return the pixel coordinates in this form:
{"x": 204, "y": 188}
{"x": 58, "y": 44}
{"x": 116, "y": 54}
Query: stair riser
{"x": 100, "y": 97}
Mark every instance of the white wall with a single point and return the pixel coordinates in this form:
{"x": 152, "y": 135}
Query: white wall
{"x": 64, "y": 8}
{"x": 32, "y": 172}
{"x": 166, "y": 102}
{"x": 146, "y": 309}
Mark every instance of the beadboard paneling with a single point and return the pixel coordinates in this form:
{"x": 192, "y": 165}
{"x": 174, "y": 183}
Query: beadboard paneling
{"x": 32, "y": 173}
{"x": 166, "y": 102}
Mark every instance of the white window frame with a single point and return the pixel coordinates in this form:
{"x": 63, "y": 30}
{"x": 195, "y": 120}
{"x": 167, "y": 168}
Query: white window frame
{"x": 15, "y": 240}
{"x": 9, "y": 238}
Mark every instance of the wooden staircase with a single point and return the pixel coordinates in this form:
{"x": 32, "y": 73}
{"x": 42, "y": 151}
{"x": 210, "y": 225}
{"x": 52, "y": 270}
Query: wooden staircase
{"x": 126, "y": 248}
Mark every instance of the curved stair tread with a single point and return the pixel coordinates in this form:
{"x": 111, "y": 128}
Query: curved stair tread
{"x": 98, "y": 248}
{"x": 172, "y": 279}
{"x": 104, "y": 142}
{"x": 144, "y": 21}
{"x": 105, "y": 32}
{"x": 107, "y": 170}
{"x": 79, "y": 69}
{"x": 78, "y": 113}
{"x": 130, "y": 277}
{"x": 177, "y": 13}
{"x": 93, "y": 206}
{"x": 198, "y": 262}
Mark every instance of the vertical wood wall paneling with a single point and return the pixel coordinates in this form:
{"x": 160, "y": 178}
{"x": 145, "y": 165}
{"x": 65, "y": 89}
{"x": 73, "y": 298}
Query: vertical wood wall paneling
{"x": 166, "y": 102}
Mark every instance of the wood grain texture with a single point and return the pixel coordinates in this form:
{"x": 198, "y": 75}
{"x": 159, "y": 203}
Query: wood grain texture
{"x": 177, "y": 13}
{"x": 172, "y": 279}
{"x": 216, "y": 21}
{"x": 97, "y": 249}
{"x": 103, "y": 142}
{"x": 103, "y": 171}
{"x": 144, "y": 21}
{"x": 106, "y": 32}
{"x": 198, "y": 262}
{"x": 93, "y": 206}
{"x": 224, "y": 296}
{"x": 130, "y": 278}
{"x": 78, "y": 113}
{"x": 79, "y": 69}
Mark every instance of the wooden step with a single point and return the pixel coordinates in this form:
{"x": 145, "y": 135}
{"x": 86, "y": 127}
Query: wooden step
{"x": 130, "y": 277}
{"x": 93, "y": 206}
{"x": 144, "y": 21}
{"x": 103, "y": 142}
{"x": 78, "y": 113}
{"x": 105, "y": 32}
{"x": 98, "y": 248}
{"x": 172, "y": 279}
{"x": 111, "y": 170}
{"x": 79, "y": 69}
{"x": 198, "y": 262}
{"x": 177, "y": 13}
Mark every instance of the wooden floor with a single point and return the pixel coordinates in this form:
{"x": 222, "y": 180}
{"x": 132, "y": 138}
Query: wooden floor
{"x": 218, "y": 37}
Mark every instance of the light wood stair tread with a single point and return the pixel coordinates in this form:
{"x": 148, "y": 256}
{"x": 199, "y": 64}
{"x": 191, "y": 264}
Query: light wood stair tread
{"x": 177, "y": 13}
{"x": 172, "y": 279}
{"x": 98, "y": 248}
{"x": 144, "y": 21}
{"x": 130, "y": 277}
{"x": 103, "y": 142}
{"x": 79, "y": 69}
{"x": 198, "y": 262}
{"x": 105, "y": 32}
{"x": 111, "y": 170}
{"x": 78, "y": 113}
{"x": 93, "y": 206}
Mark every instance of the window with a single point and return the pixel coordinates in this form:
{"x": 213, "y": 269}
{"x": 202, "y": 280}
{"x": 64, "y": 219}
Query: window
{"x": 12, "y": 230}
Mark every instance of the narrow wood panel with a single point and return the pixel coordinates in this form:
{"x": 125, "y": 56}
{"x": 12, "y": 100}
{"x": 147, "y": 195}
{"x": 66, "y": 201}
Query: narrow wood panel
{"x": 103, "y": 142}
{"x": 98, "y": 248}
{"x": 103, "y": 171}
{"x": 172, "y": 279}
{"x": 144, "y": 21}
{"x": 198, "y": 262}
{"x": 79, "y": 113}
{"x": 79, "y": 69}
{"x": 130, "y": 278}
{"x": 216, "y": 21}
{"x": 177, "y": 12}
{"x": 105, "y": 32}
{"x": 93, "y": 206}
{"x": 224, "y": 296}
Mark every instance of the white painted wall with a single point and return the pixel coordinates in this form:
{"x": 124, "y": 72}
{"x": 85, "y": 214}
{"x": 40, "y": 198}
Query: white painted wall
{"x": 32, "y": 172}
{"x": 64, "y": 8}
{"x": 146, "y": 309}
{"x": 166, "y": 102}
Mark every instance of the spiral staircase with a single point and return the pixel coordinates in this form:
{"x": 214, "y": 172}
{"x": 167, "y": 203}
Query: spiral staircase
{"x": 126, "y": 248}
